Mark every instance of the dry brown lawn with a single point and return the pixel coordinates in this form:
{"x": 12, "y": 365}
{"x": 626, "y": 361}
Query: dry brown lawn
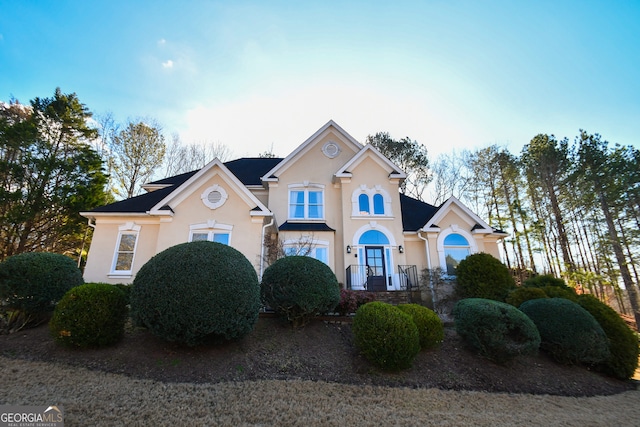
{"x": 95, "y": 398}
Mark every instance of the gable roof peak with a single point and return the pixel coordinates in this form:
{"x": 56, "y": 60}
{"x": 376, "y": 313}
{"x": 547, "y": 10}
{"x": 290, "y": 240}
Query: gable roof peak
{"x": 368, "y": 149}
{"x": 272, "y": 175}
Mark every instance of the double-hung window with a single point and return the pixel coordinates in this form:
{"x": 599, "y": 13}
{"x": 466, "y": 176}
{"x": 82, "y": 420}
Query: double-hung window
{"x": 211, "y": 231}
{"x": 211, "y": 236}
{"x": 319, "y": 251}
{"x": 125, "y": 250}
{"x": 306, "y": 203}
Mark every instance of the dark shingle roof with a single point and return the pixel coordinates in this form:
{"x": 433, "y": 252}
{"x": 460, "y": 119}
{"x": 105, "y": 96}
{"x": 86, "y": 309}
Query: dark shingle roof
{"x": 304, "y": 226}
{"x": 250, "y": 170}
{"x": 138, "y": 204}
{"x": 415, "y": 214}
{"x": 247, "y": 170}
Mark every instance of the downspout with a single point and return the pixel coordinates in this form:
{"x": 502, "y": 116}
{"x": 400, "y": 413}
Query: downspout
{"x": 84, "y": 239}
{"x": 264, "y": 231}
{"x": 431, "y": 287}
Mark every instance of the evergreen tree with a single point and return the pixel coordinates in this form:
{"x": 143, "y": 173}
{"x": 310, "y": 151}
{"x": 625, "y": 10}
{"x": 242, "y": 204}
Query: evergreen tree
{"x": 48, "y": 174}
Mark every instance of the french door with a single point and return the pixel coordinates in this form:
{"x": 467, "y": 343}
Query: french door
{"x": 376, "y": 274}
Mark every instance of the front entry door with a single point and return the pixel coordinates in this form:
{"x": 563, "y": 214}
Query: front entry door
{"x": 375, "y": 268}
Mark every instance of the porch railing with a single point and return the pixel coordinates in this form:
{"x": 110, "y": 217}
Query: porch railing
{"x": 408, "y": 277}
{"x": 358, "y": 278}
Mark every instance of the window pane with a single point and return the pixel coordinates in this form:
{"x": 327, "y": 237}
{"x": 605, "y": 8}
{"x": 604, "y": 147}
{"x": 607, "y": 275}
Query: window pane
{"x": 290, "y": 251}
{"x": 315, "y": 197}
{"x": 321, "y": 255}
{"x": 297, "y": 197}
{"x": 363, "y": 203}
{"x": 221, "y": 238}
{"x": 296, "y": 211}
{"x": 196, "y": 237}
{"x": 124, "y": 261}
{"x": 315, "y": 204}
{"x": 373, "y": 237}
{"x": 455, "y": 239}
{"x": 378, "y": 204}
{"x": 453, "y": 257}
{"x": 127, "y": 243}
{"x": 315, "y": 211}
{"x": 296, "y": 208}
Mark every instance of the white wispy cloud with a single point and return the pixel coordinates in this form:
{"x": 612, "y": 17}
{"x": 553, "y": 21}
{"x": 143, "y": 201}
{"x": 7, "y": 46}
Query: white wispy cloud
{"x": 167, "y": 64}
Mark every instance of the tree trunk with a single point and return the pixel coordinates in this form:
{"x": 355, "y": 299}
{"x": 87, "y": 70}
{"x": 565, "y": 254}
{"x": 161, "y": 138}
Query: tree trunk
{"x": 622, "y": 261}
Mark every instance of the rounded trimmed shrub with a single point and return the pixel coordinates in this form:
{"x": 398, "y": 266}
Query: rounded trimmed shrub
{"x": 481, "y": 275}
{"x": 569, "y": 332}
{"x": 496, "y": 330}
{"x": 623, "y": 342}
{"x": 520, "y": 295}
{"x": 300, "y": 287}
{"x": 430, "y": 326}
{"x": 197, "y": 291}
{"x": 386, "y": 335}
{"x": 34, "y": 282}
{"x": 91, "y": 315}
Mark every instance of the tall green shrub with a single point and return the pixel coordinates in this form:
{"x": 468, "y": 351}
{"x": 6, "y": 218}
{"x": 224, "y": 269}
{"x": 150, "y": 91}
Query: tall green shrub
{"x": 430, "y": 327}
{"x": 543, "y": 280}
{"x": 34, "y": 282}
{"x": 483, "y": 276}
{"x": 519, "y": 295}
{"x": 91, "y": 315}
{"x": 193, "y": 292}
{"x": 623, "y": 342}
{"x": 300, "y": 287}
{"x": 496, "y": 330}
{"x": 386, "y": 336}
{"x": 569, "y": 332}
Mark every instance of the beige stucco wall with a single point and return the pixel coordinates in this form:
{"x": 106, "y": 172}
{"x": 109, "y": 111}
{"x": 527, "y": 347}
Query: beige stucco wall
{"x": 457, "y": 221}
{"x": 103, "y": 246}
{"x": 310, "y": 166}
{"x": 370, "y": 176}
{"x": 158, "y": 233}
{"x": 245, "y": 234}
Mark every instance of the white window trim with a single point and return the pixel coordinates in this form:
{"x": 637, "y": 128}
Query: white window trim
{"x": 210, "y": 227}
{"x": 453, "y": 229}
{"x": 306, "y": 187}
{"x": 314, "y": 243}
{"x": 128, "y": 228}
{"x": 370, "y": 192}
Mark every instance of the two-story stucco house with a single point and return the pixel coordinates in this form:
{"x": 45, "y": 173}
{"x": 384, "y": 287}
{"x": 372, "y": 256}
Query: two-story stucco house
{"x": 334, "y": 196}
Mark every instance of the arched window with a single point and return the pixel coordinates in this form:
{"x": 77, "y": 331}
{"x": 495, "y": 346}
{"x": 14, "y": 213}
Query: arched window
{"x": 373, "y": 237}
{"x": 378, "y": 204}
{"x": 456, "y": 248}
{"x": 367, "y": 201}
{"x": 363, "y": 204}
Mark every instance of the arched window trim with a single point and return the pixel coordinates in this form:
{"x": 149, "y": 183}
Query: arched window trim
{"x": 453, "y": 229}
{"x": 371, "y": 194}
{"x": 373, "y": 225}
{"x": 212, "y": 228}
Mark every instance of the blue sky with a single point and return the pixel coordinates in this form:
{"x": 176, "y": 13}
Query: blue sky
{"x": 256, "y": 74}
